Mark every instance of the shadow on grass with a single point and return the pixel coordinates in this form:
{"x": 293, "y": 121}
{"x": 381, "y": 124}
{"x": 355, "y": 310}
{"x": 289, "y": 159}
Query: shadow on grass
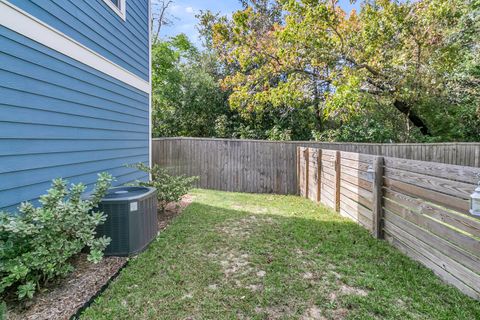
{"x": 219, "y": 263}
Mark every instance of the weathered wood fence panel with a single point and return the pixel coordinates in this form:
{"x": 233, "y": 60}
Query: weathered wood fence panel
{"x": 231, "y": 165}
{"x": 419, "y": 207}
{"x": 267, "y": 166}
{"x": 356, "y": 187}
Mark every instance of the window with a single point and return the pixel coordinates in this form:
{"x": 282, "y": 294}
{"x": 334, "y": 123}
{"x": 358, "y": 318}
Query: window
{"x": 118, "y": 6}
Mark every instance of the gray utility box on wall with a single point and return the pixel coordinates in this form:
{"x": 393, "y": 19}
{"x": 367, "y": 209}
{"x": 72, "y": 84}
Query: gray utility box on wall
{"x": 131, "y": 219}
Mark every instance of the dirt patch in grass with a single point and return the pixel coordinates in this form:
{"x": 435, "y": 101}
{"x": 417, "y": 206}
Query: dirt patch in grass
{"x": 337, "y": 314}
{"x": 62, "y": 299}
{"x": 242, "y": 228}
{"x": 276, "y": 312}
{"x": 347, "y": 290}
{"x": 313, "y": 313}
{"x": 236, "y": 264}
{"x": 250, "y": 208}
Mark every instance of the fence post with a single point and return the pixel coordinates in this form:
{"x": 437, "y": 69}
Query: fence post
{"x": 319, "y": 175}
{"x": 378, "y": 166}
{"x": 477, "y": 156}
{"x": 337, "y": 180}
{"x": 307, "y": 169}
{"x": 299, "y": 180}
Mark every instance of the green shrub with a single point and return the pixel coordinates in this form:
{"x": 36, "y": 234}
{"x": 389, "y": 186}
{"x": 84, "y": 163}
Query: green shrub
{"x": 37, "y": 243}
{"x": 169, "y": 188}
{"x": 3, "y": 310}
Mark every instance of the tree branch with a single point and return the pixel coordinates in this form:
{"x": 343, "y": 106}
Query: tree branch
{"x": 161, "y": 19}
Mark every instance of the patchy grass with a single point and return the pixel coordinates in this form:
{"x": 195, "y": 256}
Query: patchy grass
{"x": 241, "y": 256}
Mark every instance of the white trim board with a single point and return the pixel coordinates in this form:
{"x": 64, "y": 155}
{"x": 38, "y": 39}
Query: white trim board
{"x": 27, "y": 25}
{"x": 122, "y": 11}
{"x": 150, "y": 122}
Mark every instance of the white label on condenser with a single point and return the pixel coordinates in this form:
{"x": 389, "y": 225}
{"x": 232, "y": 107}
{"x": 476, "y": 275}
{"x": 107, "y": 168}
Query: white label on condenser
{"x": 134, "y": 206}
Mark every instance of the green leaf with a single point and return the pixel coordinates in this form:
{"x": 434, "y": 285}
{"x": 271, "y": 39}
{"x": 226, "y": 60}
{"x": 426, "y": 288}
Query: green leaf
{"x": 26, "y": 290}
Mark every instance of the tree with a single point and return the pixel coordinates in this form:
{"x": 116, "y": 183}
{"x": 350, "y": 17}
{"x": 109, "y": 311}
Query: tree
{"x": 393, "y": 58}
{"x": 187, "y": 98}
{"x": 160, "y": 18}
{"x": 305, "y": 69}
{"x": 464, "y": 83}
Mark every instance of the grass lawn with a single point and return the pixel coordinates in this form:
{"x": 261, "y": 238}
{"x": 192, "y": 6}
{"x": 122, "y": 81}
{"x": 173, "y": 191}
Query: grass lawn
{"x": 242, "y": 256}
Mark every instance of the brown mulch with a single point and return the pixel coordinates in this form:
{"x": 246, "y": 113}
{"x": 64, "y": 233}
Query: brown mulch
{"x": 172, "y": 210}
{"x": 62, "y": 299}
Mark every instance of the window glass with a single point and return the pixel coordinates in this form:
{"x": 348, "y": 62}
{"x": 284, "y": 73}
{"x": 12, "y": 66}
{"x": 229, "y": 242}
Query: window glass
{"x": 116, "y": 3}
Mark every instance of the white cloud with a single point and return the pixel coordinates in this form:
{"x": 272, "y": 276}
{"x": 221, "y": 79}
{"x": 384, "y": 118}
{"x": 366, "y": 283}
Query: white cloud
{"x": 189, "y": 10}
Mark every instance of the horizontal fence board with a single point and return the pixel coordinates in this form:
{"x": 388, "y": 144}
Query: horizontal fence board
{"x": 356, "y": 173}
{"x": 328, "y": 170}
{"x": 365, "y": 199}
{"x": 441, "y": 230}
{"x": 456, "y": 253}
{"x": 367, "y": 185}
{"x": 362, "y": 166}
{"x": 353, "y": 214}
{"x": 456, "y": 173}
{"x": 327, "y": 179}
{"x": 357, "y": 209}
{"x": 451, "y": 266}
{"x": 358, "y": 157}
{"x": 428, "y": 195}
{"x": 367, "y": 212}
{"x": 452, "y": 188}
{"x": 329, "y": 190}
{"x": 458, "y": 220}
{"x": 327, "y": 176}
{"x": 329, "y": 155}
{"x": 440, "y": 272}
{"x": 355, "y": 187}
{"x": 326, "y": 199}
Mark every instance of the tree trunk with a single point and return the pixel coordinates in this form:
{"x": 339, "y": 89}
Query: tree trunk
{"x": 319, "y": 118}
{"x": 412, "y": 116}
{"x": 317, "y": 106}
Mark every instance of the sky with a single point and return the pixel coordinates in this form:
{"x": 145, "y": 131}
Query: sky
{"x": 184, "y": 11}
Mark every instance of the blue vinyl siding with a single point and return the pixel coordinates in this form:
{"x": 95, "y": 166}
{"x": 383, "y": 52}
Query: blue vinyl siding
{"x": 60, "y": 118}
{"x": 95, "y": 25}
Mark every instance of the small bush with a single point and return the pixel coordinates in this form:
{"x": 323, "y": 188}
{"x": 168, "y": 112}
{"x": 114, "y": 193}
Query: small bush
{"x": 37, "y": 243}
{"x": 169, "y": 188}
{"x": 3, "y": 310}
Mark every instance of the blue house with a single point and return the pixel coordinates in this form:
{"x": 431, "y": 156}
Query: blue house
{"x": 74, "y": 93}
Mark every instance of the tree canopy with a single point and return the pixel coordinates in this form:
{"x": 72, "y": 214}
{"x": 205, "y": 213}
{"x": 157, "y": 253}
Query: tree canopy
{"x": 305, "y": 69}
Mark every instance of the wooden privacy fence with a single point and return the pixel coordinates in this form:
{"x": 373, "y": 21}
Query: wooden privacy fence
{"x": 231, "y": 165}
{"x": 269, "y": 167}
{"x": 419, "y": 207}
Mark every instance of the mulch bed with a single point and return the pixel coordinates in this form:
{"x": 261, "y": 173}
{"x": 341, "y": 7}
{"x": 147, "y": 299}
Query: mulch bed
{"x": 62, "y": 299}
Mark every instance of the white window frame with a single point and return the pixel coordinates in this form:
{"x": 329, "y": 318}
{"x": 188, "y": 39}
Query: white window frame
{"x": 122, "y": 11}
